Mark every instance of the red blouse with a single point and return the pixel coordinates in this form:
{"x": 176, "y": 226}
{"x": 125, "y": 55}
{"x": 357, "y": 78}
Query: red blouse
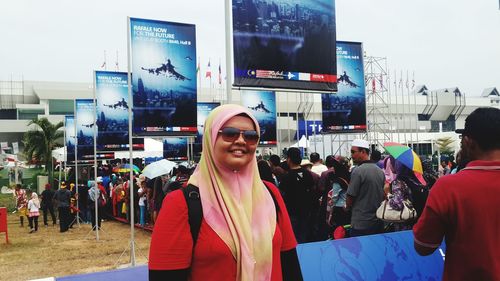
{"x": 171, "y": 243}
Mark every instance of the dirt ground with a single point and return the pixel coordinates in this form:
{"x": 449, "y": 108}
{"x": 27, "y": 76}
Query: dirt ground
{"x": 49, "y": 253}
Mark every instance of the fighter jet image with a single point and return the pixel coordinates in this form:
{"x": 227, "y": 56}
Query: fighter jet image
{"x": 120, "y": 105}
{"x": 89, "y": 125}
{"x": 167, "y": 69}
{"x": 260, "y": 107}
{"x": 344, "y": 78}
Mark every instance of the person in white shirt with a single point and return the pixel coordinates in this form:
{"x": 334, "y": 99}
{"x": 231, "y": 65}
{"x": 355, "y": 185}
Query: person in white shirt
{"x": 317, "y": 166}
{"x": 33, "y": 212}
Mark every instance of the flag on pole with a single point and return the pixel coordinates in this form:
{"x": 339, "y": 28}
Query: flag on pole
{"x": 103, "y": 65}
{"x": 373, "y": 85}
{"x": 413, "y": 80}
{"x": 220, "y": 75}
{"x": 209, "y": 71}
{"x": 381, "y": 81}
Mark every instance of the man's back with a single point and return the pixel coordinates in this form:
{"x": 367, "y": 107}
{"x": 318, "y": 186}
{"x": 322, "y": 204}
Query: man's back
{"x": 298, "y": 187}
{"x": 465, "y": 208}
{"x": 367, "y": 187}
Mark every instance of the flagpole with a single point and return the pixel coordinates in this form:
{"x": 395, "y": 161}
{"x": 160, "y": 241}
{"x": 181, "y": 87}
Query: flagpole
{"x": 131, "y": 178}
{"x": 403, "y": 101}
{"x": 397, "y": 105}
{"x": 97, "y": 193}
{"x": 415, "y": 108}
{"x": 76, "y": 152}
{"x": 409, "y": 110}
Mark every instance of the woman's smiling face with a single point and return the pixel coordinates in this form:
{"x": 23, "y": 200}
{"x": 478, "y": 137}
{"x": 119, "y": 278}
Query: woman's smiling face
{"x": 238, "y": 153}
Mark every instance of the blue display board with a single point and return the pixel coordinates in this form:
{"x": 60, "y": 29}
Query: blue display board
{"x": 345, "y": 111}
{"x": 262, "y": 104}
{"x": 175, "y": 149}
{"x": 285, "y": 44}
{"x": 111, "y": 91}
{"x": 312, "y": 127}
{"x": 203, "y": 109}
{"x": 70, "y": 135}
{"x": 163, "y": 61}
{"x": 84, "y": 117}
{"x": 384, "y": 257}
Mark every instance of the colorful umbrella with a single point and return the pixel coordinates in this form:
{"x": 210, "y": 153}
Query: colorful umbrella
{"x": 125, "y": 168}
{"x": 404, "y": 155}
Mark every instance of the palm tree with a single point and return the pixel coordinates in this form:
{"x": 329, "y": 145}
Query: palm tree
{"x": 40, "y": 141}
{"x": 445, "y": 145}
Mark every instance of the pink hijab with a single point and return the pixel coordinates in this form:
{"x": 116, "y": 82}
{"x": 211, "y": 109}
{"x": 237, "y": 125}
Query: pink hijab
{"x": 236, "y": 204}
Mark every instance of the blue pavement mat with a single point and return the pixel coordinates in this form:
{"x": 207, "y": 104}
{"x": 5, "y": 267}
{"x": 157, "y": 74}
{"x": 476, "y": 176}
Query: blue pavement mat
{"x": 127, "y": 274}
{"x": 382, "y": 257}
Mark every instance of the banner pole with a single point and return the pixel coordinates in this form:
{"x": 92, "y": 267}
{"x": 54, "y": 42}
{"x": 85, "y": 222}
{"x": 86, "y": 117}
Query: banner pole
{"x": 97, "y": 219}
{"x": 76, "y": 154}
{"x": 131, "y": 178}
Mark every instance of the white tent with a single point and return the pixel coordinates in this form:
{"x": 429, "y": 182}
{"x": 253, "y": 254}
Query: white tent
{"x": 59, "y": 154}
{"x": 152, "y": 148}
{"x": 303, "y": 142}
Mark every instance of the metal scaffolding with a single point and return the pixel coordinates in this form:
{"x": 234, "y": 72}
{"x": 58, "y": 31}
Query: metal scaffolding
{"x": 378, "y": 98}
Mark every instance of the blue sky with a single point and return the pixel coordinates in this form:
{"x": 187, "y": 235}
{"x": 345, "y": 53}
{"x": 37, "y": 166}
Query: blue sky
{"x": 446, "y": 43}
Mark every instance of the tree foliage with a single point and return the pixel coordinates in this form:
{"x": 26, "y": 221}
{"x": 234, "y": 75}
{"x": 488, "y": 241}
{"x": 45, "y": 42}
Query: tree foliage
{"x": 41, "y": 140}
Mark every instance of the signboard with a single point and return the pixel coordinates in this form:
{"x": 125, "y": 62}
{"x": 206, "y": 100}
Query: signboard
{"x": 285, "y": 44}
{"x": 70, "y": 133}
{"x": 309, "y": 128}
{"x": 163, "y": 66}
{"x": 345, "y": 111}
{"x": 3, "y": 223}
{"x": 84, "y": 116}
{"x": 203, "y": 109}
{"x": 175, "y": 149}
{"x": 111, "y": 92}
{"x": 262, "y": 104}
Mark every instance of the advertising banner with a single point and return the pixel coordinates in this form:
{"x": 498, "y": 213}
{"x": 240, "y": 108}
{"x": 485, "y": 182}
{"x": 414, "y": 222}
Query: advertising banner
{"x": 263, "y": 106}
{"x": 70, "y": 133}
{"x": 345, "y": 111}
{"x": 309, "y": 128}
{"x": 84, "y": 118}
{"x": 204, "y": 108}
{"x": 111, "y": 91}
{"x": 163, "y": 61}
{"x": 175, "y": 149}
{"x": 285, "y": 44}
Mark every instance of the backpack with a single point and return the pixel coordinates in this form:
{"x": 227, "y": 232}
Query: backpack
{"x": 195, "y": 211}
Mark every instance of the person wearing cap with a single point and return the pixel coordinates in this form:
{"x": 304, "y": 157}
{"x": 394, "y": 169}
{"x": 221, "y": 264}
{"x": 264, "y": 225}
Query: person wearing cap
{"x": 62, "y": 197}
{"x": 365, "y": 191}
{"x": 47, "y": 206}
{"x": 463, "y": 209}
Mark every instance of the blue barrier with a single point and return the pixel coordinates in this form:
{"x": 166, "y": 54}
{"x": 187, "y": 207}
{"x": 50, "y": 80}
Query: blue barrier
{"x": 383, "y": 257}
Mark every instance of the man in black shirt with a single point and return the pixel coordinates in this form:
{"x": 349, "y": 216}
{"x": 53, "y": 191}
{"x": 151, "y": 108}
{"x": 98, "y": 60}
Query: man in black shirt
{"x": 46, "y": 205}
{"x": 298, "y": 193}
{"x": 62, "y": 196}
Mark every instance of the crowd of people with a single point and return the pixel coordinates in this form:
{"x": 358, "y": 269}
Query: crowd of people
{"x": 238, "y": 209}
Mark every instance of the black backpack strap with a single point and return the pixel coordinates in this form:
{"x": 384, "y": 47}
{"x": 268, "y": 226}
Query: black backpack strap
{"x": 195, "y": 211}
{"x": 274, "y": 200}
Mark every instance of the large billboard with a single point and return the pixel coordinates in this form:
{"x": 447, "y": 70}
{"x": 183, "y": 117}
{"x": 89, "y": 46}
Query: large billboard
{"x": 263, "y": 106}
{"x": 111, "y": 91}
{"x": 84, "y": 119}
{"x": 285, "y": 44}
{"x": 70, "y": 135}
{"x": 204, "y": 108}
{"x": 163, "y": 62}
{"x": 175, "y": 149}
{"x": 345, "y": 111}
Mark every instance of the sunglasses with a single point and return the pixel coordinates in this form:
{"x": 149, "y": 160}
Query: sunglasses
{"x": 231, "y": 134}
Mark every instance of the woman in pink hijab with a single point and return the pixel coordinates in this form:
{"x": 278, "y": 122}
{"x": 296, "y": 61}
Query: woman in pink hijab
{"x": 245, "y": 231}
